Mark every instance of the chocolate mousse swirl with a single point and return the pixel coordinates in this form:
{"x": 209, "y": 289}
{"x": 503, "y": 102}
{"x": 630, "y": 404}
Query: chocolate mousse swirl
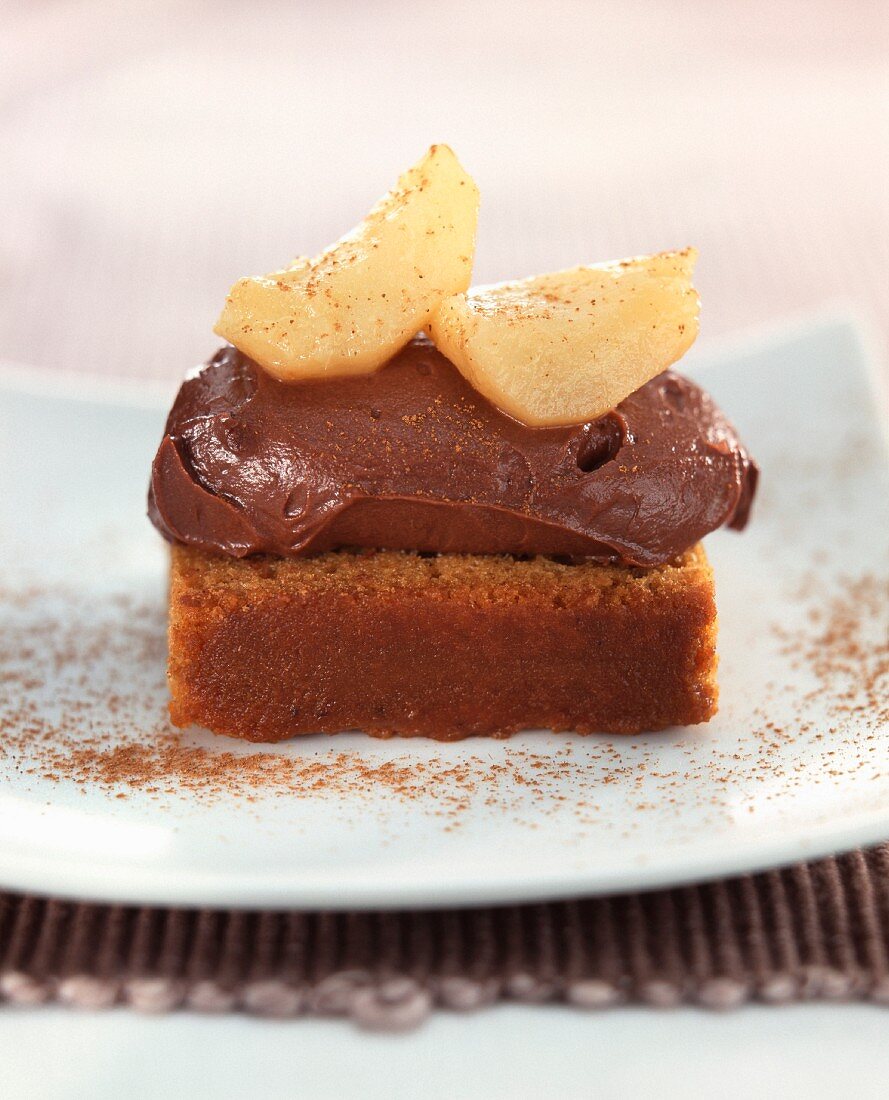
{"x": 412, "y": 458}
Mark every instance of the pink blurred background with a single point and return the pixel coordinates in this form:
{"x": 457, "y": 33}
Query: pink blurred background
{"x": 152, "y": 153}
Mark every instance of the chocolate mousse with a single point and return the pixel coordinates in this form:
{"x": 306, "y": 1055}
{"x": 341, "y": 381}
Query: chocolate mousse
{"x": 412, "y": 458}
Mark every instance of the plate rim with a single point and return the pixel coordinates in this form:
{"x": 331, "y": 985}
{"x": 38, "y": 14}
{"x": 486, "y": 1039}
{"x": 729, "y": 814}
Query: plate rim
{"x": 153, "y": 887}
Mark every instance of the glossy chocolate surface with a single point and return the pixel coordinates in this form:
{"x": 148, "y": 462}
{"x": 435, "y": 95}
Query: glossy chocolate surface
{"x": 412, "y": 458}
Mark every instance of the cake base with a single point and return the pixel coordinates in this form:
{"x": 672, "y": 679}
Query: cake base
{"x": 440, "y": 646}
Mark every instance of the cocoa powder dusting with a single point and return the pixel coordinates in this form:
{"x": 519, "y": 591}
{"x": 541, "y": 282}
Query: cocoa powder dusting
{"x": 83, "y": 701}
{"x": 851, "y": 668}
{"x": 843, "y": 649}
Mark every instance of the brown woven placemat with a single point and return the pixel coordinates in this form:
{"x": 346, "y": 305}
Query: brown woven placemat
{"x": 812, "y": 931}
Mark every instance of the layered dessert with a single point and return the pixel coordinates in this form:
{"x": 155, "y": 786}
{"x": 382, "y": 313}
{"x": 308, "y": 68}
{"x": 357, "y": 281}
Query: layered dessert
{"x": 402, "y": 506}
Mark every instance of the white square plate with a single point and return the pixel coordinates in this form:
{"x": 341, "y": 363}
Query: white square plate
{"x": 795, "y": 765}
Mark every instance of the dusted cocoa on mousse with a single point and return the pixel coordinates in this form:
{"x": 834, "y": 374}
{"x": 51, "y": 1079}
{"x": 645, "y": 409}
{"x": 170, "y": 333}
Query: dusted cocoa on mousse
{"x": 412, "y": 458}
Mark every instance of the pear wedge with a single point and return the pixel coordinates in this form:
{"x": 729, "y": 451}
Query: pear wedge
{"x": 350, "y": 309}
{"x": 566, "y": 347}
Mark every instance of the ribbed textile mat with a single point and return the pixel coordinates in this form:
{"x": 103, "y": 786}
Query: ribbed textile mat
{"x": 812, "y": 931}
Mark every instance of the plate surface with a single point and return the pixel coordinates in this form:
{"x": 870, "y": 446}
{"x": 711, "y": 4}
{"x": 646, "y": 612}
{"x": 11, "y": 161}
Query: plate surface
{"x": 100, "y": 798}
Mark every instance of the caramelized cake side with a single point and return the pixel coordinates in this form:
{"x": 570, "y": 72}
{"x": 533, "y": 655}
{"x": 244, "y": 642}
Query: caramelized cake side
{"x": 445, "y": 646}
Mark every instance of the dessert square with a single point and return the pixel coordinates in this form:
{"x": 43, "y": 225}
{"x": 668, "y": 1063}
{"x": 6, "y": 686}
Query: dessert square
{"x": 402, "y": 504}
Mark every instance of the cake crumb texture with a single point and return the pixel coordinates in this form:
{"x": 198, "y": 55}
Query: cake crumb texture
{"x": 445, "y": 646}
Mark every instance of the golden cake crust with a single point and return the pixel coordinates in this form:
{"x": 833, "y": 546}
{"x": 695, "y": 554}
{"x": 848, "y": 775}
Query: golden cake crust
{"x": 443, "y": 646}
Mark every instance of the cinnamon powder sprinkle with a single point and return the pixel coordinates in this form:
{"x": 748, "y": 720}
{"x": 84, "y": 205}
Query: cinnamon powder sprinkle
{"x": 851, "y": 669}
{"x": 83, "y": 701}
